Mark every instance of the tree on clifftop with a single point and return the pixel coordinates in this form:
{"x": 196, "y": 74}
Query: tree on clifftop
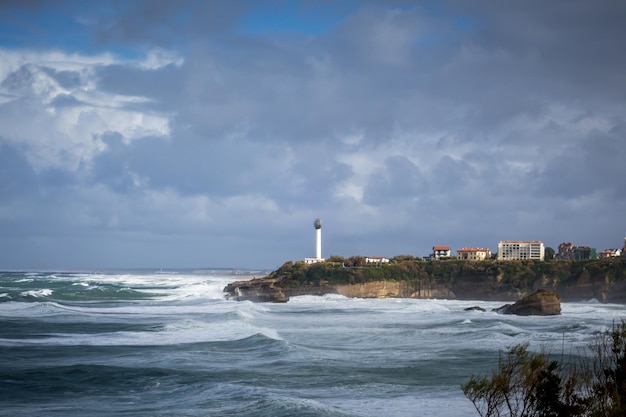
{"x": 337, "y": 259}
{"x": 355, "y": 261}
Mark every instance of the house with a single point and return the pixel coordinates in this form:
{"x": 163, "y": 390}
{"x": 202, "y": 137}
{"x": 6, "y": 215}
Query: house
{"x": 473, "y": 254}
{"x": 613, "y": 253}
{"x": 441, "y": 252}
{"x": 610, "y": 253}
{"x": 567, "y": 251}
{"x": 376, "y": 260}
{"x": 521, "y": 250}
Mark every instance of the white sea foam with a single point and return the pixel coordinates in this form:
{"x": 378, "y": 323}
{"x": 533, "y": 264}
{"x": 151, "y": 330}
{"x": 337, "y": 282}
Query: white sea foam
{"x": 45, "y": 292}
{"x": 244, "y": 315}
{"x": 196, "y": 290}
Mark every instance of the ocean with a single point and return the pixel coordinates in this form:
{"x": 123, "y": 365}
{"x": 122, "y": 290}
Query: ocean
{"x": 146, "y": 343}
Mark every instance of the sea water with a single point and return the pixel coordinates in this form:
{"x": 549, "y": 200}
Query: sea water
{"x": 141, "y": 343}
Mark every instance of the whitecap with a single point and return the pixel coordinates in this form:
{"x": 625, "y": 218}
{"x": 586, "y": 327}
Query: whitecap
{"x": 318, "y": 299}
{"x": 244, "y": 314}
{"x": 270, "y": 333}
{"x": 180, "y": 332}
{"x": 45, "y": 292}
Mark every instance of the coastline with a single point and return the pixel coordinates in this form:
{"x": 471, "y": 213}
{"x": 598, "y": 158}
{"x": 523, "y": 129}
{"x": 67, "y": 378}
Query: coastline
{"x": 604, "y": 281}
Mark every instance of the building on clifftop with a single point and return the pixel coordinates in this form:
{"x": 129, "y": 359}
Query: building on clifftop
{"x": 521, "y": 250}
{"x": 567, "y": 251}
{"x": 473, "y": 254}
{"x": 440, "y": 252}
{"x": 610, "y": 253}
{"x": 376, "y": 260}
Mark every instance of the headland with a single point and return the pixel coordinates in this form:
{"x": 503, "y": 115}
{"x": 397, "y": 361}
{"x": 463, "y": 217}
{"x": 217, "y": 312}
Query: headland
{"x": 489, "y": 280}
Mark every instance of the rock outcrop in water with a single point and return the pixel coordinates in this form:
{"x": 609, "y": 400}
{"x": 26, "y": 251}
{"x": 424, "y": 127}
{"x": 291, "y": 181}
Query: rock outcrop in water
{"x": 257, "y": 290}
{"x": 474, "y": 308}
{"x": 540, "y": 303}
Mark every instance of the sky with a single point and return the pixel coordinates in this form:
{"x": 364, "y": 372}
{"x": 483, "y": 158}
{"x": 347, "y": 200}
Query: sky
{"x": 164, "y": 134}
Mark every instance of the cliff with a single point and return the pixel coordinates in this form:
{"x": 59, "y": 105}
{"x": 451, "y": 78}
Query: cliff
{"x": 604, "y": 280}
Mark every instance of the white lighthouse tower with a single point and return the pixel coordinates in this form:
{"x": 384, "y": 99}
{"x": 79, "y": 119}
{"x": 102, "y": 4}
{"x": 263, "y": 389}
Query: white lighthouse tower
{"x": 318, "y": 243}
{"x": 318, "y": 238}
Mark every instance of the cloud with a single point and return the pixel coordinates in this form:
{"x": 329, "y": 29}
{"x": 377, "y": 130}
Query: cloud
{"x": 175, "y": 130}
{"x": 54, "y": 110}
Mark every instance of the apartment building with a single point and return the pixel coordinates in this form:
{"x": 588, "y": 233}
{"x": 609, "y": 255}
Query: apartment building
{"x": 521, "y": 250}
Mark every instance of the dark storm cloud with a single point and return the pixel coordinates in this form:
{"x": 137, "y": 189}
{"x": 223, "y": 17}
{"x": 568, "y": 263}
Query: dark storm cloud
{"x": 451, "y": 175}
{"x": 164, "y": 23}
{"x": 571, "y": 39}
{"x": 18, "y": 176}
{"x": 21, "y": 79}
{"x": 113, "y": 167}
{"x": 161, "y": 85}
{"x": 65, "y": 100}
{"x": 593, "y": 164}
{"x": 527, "y": 55}
{"x": 66, "y": 79}
{"x": 400, "y": 179}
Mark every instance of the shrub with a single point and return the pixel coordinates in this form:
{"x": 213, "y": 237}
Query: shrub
{"x": 531, "y": 385}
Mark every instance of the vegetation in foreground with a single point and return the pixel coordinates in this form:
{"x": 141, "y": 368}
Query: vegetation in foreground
{"x": 529, "y": 384}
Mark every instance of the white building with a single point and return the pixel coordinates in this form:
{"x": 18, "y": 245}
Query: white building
{"x": 376, "y": 260}
{"x": 521, "y": 250}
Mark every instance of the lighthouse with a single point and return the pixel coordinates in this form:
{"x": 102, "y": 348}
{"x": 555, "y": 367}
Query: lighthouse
{"x": 317, "y": 224}
{"x": 318, "y": 238}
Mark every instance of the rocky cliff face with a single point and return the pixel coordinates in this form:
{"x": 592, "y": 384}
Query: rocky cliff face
{"x": 261, "y": 289}
{"x": 585, "y": 288}
{"x": 403, "y": 289}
